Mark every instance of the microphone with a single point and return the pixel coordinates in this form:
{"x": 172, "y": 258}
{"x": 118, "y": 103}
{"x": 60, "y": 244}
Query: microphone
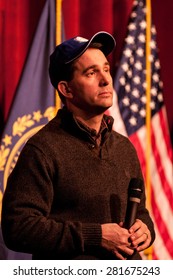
{"x": 134, "y": 198}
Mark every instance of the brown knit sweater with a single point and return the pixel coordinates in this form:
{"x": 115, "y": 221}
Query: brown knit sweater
{"x": 61, "y": 191}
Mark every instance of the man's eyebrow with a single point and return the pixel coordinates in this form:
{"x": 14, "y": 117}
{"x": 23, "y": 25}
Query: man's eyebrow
{"x": 89, "y": 68}
{"x": 94, "y": 66}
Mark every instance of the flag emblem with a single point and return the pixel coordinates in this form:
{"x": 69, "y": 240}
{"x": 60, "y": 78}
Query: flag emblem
{"x": 22, "y": 129}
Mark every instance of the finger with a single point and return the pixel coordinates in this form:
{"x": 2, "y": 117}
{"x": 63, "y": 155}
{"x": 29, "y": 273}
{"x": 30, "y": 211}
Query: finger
{"x": 127, "y": 251}
{"x": 146, "y": 242}
{"x": 146, "y": 235}
{"x": 121, "y": 224}
{"x": 136, "y": 226}
{"x": 118, "y": 255}
{"x": 138, "y": 239}
{"x": 143, "y": 246}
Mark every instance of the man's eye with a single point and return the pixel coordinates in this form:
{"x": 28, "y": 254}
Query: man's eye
{"x": 90, "y": 73}
{"x": 106, "y": 70}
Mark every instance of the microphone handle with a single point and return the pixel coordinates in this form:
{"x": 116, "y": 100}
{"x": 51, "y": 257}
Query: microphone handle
{"x": 131, "y": 214}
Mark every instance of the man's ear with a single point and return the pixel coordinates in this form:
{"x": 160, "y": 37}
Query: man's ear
{"x": 64, "y": 89}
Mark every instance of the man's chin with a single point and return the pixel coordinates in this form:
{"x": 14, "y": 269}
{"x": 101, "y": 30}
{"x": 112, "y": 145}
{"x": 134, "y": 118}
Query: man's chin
{"x": 102, "y": 109}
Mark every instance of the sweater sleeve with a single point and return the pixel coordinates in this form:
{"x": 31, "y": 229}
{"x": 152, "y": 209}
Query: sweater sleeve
{"x": 28, "y": 224}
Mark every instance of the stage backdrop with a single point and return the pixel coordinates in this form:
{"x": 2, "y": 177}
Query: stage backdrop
{"x": 18, "y": 20}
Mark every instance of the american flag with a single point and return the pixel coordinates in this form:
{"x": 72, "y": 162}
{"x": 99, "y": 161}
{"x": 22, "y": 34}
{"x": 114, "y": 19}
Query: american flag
{"x": 129, "y": 112}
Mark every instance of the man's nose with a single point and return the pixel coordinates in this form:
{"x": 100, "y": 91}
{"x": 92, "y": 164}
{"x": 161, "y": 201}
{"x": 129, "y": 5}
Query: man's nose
{"x": 105, "y": 78}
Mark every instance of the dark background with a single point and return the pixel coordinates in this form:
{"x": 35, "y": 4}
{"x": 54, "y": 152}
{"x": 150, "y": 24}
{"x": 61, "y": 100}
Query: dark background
{"x": 18, "y": 20}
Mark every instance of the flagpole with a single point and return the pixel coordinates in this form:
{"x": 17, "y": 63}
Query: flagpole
{"x": 148, "y": 252}
{"x": 58, "y": 29}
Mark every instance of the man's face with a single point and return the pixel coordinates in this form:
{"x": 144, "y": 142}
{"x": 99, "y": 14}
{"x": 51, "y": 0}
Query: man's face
{"x": 91, "y": 85}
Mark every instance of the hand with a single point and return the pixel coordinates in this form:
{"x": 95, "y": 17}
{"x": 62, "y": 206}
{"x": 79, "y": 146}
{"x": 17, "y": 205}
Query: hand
{"x": 140, "y": 235}
{"x": 115, "y": 238}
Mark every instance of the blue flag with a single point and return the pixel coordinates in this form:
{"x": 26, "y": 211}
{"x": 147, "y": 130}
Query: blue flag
{"x": 32, "y": 108}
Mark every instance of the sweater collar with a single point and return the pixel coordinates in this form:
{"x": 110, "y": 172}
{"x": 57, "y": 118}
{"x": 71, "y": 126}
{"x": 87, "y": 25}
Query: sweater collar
{"x": 74, "y": 127}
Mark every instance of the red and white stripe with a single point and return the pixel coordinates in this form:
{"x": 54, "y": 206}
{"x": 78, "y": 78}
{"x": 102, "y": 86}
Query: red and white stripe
{"x": 161, "y": 208}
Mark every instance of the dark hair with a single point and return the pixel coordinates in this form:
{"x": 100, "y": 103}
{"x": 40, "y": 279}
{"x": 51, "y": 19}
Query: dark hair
{"x": 67, "y": 71}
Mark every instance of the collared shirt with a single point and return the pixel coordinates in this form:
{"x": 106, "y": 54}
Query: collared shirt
{"x": 97, "y": 137}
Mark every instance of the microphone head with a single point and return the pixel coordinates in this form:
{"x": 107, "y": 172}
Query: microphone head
{"x": 135, "y": 188}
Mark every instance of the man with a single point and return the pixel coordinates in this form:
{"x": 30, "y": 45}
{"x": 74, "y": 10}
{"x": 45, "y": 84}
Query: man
{"x": 67, "y": 195}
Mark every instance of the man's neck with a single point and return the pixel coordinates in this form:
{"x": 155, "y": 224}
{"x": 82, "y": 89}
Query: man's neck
{"x": 90, "y": 118}
{"x": 91, "y": 122}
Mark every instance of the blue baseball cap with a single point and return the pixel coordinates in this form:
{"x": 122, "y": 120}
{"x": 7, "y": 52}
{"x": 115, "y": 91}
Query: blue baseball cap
{"x": 69, "y": 50}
